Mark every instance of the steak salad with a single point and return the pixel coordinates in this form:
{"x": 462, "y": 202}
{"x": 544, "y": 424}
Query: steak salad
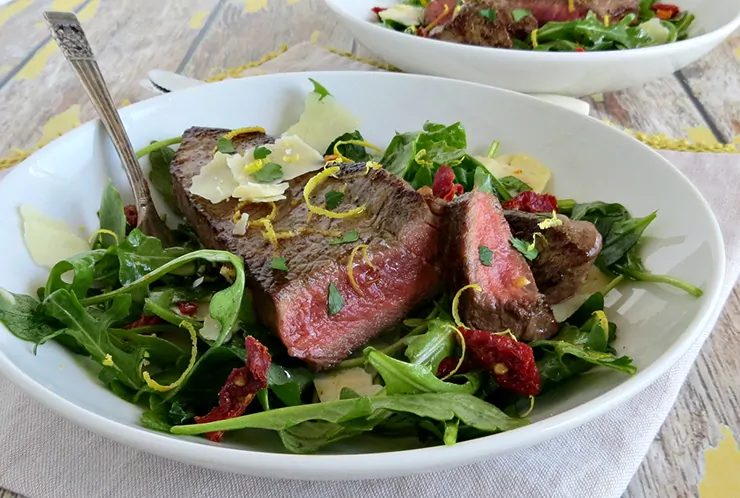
{"x": 322, "y": 287}
{"x": 541, "y": 25}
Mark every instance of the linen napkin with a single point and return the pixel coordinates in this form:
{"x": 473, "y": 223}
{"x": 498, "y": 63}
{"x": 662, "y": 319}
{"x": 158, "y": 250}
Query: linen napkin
{"x": 44, "y": 455}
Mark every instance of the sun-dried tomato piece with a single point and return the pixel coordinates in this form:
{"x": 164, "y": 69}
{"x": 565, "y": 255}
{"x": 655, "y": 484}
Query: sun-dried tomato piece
{"x": 580, "y": 49}
{"x": 145, "y": 321}
{"x": 665, "y": 11}
{"x": 444, "y": 186}
{"x": 187, "y": 308}
{"x": 511, "y": 362}
{"x": 240, "y": 388}
{"x": 533, "y": 202}
{"x": 378, "y": 10}
{"x": 132, "y": 217}
{"x": 448, "y": 365}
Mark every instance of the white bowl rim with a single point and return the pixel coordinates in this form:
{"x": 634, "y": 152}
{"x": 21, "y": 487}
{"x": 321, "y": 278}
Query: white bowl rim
{"x": 388, "y": 463}
{"x": 537, "y": 56}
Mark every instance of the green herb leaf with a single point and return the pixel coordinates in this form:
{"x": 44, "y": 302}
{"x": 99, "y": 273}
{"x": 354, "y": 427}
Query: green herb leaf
{"x": 160, "y": 177}
{"x": 450, "y": 434}
{"x": 485, "y": 255}
{"x": 336, "y": 303}
{"x": 484, "y": 179}
{"x": 288, "y": 384}
{"x": 525, "y": 248}
{"x": 270, "y": 172}
{"x": 279, "y": 264}
{"x": 111, "y": 217}
{"x": 156, "y": 418}
{"x": 83, "y": 268}
{"x": 515, "y": 184}
{"x": 140, "y": 254}
{"x": 519, "y": 14}
{"x": 225, "y": 146}
{"x": 357, "y": 153}
{"x": 622, "y": 237}
{"x": 489, "y": 14}
{"x": 430, "y": 348}
{"x": 333, "y": 199}
{"x": 261, "y": 152}
{"x": 348, "y": 237}
{"x": 25, "y": 319}
{"x": 319, "y": 89}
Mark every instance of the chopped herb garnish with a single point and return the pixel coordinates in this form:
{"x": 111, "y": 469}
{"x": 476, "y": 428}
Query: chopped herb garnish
{"x": 489, "y": 14}
{"x": 485, "y": 255}
{"x": 336, "y": 303}
{"x": 348, "y": 237}
{"x": 515, "y": 184}
{"x": 528, "y": 250}
{"x": 319, "y": 88}
{"x": 279, "y": 264}
{"x": 519, "y": 14}
{"x": 225, "y": 146}
{"x": 333, "y": 199}
{"x": 268, "y": 173}
{"x": 261, "y": 152}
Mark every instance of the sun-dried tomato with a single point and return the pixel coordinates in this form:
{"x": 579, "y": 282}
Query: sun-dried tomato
{"x": 378, "y": 10}
{"x": 132, "y": 217}
{"x": 240, "y": 388}
{"x": 533, "y": 202}
{"x": 580, "y": 49}
{"x": 444, "y": 186}
{"x": 511, "y": 362}
{"x": 665, "y": 11}
{"x": 145, "y": 321}
{"x": 187, "y": 308}
{"x": 449, "y": 364}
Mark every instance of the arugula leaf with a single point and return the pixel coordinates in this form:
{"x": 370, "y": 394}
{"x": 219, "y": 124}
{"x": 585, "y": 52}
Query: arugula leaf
{"x": 310, "y": 436}
{"x": 519, "y": 14}
{"x": 515, "y": 184}
{"x": 646, "y": 12}
{"x": 471, "y": 411}
{"x": 111, "y": 217}
{"x": 348, "y": 237}
{"x": 160, "y": 350}
{"x": 450, "y": 434}
{"x": 163, "y": 311}
{"x": 525, "y": 248}
{"x": 140, "y": 254}
{"x": 484, "y": 179}
{"x": 430, "y": 348}
{"x": 93, "y": 334}
{"x": 83, "y": 268}
{"x": 622, "y": 237}
{"x": 333, "y": 199}
{"x": 160, "y": 177}
{"x": 485, "y": 255}
{"x": 279, "y": 264}
{"x": 261, "y": 152}
{"x": 356, "y": 152}
{"x": 423, "y": 178}
{"x": 489, "y": 14}
{"x": 225, "y": 146}
{"x": 319, "y": 89}
{"x": 590, "y": 33}
{"x": 595, "y": 302}
{"x": 156, "y": 418}
{"x": 270, "y": 172}
{"x": 408, "y": 378}
{"x": 178, "y": 414}
{"x": 288, "y": 384}
{"x": 336, "y": 303}
{"x": 24, "y": 319}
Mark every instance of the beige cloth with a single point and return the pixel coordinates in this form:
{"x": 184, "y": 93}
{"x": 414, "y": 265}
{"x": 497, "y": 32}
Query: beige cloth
{"x": 44, "y": 455}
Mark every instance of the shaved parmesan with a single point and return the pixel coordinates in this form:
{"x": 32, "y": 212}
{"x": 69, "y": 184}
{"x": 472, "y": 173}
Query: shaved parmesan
{"x": 521, "y": 166}
{"x": 258, "y": 192}
{"x": 295, "y": 156}
{"x": 408, "y": 15}
{"x": 656, "y": 30}
{"x": 240, "y": 227}
{"x": 48, "y": 240}
{"x": 323, "y": 121}
{"x": 215, "y": 180}
{"x": 329, "y": 385}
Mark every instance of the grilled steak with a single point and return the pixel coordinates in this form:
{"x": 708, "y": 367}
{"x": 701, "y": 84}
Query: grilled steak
{"x": 557, "y": 10}
{"x": 566, "y": 254}
{"x": 398, "y": 227}
{"x": 510, "y": 299}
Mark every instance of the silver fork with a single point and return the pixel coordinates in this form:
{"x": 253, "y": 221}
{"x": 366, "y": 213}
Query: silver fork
{"x": 69, "y": 35}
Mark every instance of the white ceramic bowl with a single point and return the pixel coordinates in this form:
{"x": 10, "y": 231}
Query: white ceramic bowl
{"x": 573, "y": 74}
{"x": 589, "y": 159}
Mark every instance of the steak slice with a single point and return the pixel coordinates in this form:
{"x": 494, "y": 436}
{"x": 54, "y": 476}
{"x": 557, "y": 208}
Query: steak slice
{"x": 566, "y": 254}
{"x": 486, "y": 23}
{"x": 510, "y": 299}
{"x": 399, "y": 229}
{"x": 557, "y": 10}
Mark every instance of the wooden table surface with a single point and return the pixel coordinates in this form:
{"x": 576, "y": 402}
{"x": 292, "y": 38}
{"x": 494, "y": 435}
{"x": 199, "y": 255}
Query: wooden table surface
{"x": 194, "y": 36}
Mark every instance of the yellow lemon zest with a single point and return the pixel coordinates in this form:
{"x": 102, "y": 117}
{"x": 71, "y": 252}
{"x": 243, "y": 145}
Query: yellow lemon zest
{"x": 193, "y": 355}
{"x": 101, "y": 231}
{"x": 108, "y": 361}
{"x": 456, "y": 303}
{"x": 419, "y": 158}
{"x": 533, "y": 245}
{"x": 351, "y": 264}
{"x": 550, "y": 222}
{"x": 603, "y": 321}
{"x": 571, "y": 5}
{"x": 424, "y": 3}
{"x": 531, "y": 407}
{"x": 534, "y": 38}
{"x": 238, "y": 211}
{"x": 521, "y": 281}
{"x": 462, "y": 353}
{"x": 240, "y": 131}
{"x": 254, "y": 166}
{"x": 228, "y": 272}
{"x": 372, "y": 165}
{"x": 269, "y": 232}
{"x": 507, "y": 332}
{"x": 315, "y": 182}
{"x": 287, "y": 234}
{"x": 269, "y": 217}
{"x": 341, "y": 158}
{"x": 606, "y": 20}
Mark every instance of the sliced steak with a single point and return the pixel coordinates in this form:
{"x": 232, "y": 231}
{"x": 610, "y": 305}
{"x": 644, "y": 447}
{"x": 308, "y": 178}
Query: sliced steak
{"x": 484, "y": 23}
{"x": 566, "y": 254}
{"x": 510, "y": 299}
{"x": 557, "y": 10}
{"x": 398, "y": 227}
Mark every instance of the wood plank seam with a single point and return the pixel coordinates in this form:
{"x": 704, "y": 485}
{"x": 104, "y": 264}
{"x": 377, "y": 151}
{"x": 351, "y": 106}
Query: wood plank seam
{"x": 11, "y": 74}
{"x": 201, "y": 35}
{"x": 708, "y": 118}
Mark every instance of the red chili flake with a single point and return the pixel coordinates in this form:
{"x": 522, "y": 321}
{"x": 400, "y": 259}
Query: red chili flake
{"x": 145, "y": 321}
{"x": 378, "y": 10}
{"x": 665, "y": 11}
{"x": 132, "y": 217}
{"x": 240, "y": 388}
{"x": 533, "y": 202}
{"x": 444, "y": 186}
{"x": 187, "y": 308}
{"x": 511, "y": 362}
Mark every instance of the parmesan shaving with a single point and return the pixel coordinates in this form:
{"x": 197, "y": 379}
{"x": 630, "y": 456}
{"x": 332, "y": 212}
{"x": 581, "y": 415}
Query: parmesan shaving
{"x": 215, "y": 181}
{"x": 49, "y": 240}
{"x": 240, "y": 227}
{"x": 323, "y": 120}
